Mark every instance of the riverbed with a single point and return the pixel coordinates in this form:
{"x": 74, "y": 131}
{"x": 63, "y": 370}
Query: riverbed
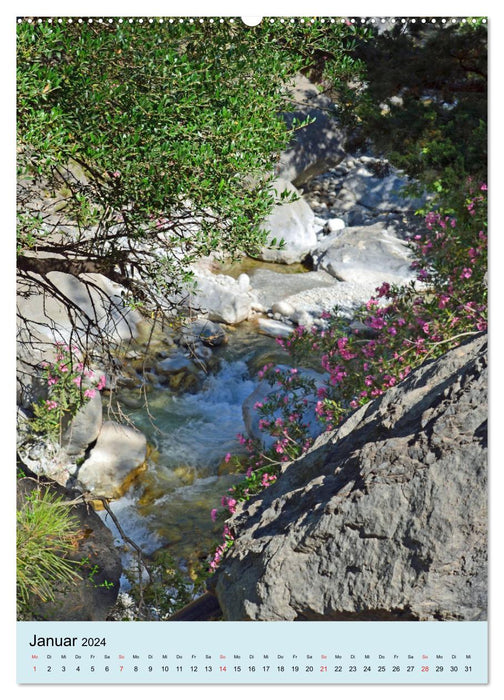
{"x": 190, "y": 435}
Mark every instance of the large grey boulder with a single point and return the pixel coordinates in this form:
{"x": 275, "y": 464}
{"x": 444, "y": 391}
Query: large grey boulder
{"x": 383, "y": 519}
{"x": 366, "y": 254}
{"x": 117, "y": 455}
{"x": 292, "y": 221}
{"x": 318, "y": 146}
{"x": 94, "y": 308}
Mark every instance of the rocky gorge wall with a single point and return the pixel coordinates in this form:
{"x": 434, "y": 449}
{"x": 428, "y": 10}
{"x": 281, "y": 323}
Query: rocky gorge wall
{"x": 384, "y": 518}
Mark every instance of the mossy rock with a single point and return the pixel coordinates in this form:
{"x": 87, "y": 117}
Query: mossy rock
{"x": 186, "y": 474}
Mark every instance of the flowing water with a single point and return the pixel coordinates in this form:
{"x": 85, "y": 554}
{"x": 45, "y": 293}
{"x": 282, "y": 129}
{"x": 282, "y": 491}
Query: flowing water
{"x": 191, "y": 433}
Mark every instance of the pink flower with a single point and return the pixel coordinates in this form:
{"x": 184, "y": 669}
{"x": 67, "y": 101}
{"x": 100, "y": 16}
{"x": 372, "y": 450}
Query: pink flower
{"x": 50, "y": 405}
{"x": 52, "y": 380}
{"x": 101, "y": 383}
{"x": 231, "y": 504}
{"x": 227, "y": 457}
{"x": 90, "y": 393}
{"x": 383, "y": 290}
{"x": 213, "y": 514}
{"x": 77, "y": 380}
{"x": 466, "y": 273}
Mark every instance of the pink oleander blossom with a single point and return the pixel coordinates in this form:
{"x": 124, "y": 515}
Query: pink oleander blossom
{"x": 101, "y": 382}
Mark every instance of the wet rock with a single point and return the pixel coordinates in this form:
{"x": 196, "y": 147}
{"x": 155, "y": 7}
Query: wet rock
{"x": 276, "y": 329}
{"x": 180, "y": 382}
{"x": 384, "y": 518}
{"x": 174, "y": 364}
{"x": 204, "y": 331}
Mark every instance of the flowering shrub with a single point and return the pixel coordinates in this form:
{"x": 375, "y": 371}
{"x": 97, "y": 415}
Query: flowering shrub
{"x": 400, "y": 328}
{"x": 69, "y": 384}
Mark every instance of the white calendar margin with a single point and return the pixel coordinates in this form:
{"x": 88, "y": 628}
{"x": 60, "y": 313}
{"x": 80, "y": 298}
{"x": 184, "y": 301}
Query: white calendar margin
{"x": 285, "y": 8}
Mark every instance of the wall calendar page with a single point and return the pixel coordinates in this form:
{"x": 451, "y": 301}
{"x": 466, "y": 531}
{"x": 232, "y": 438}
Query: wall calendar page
{"x": 252, "y": 386}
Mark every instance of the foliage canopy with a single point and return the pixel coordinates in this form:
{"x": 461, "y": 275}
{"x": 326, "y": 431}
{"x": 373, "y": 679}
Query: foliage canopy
{"x": 144, "y": 147}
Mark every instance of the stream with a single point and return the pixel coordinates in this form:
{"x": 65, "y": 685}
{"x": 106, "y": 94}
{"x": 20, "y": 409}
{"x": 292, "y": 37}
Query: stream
{"x": 190, "y": 434}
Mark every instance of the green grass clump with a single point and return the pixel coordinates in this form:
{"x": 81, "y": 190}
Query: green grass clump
{"x": 46, "y": 533}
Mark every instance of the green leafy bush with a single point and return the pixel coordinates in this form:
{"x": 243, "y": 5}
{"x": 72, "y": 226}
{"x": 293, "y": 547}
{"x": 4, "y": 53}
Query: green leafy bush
{"x": 142, "y": 147}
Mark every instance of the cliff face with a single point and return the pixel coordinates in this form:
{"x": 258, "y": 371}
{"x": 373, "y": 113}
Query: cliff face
{"x": 385, "y": 518}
